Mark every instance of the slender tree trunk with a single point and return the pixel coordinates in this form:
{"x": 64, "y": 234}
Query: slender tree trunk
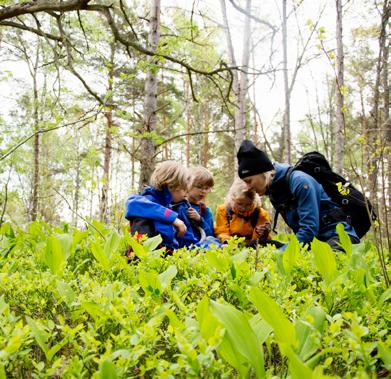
{"x": 148, "y": 147}
{"x": 104, "y": 200}
{"x": 187, "y": 121}
{"x": 76, "y": 196}
{"x": 36, "y": 164}
{"x": 240, "y": 84}
{"x": 286, "y": 121}
{"x": 205, "y": 137}
{"x": 339, "y": 90}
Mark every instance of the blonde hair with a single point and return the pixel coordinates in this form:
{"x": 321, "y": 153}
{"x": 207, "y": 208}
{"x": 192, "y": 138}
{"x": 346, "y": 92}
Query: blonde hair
{"x": 201, "y": 176}
{"x": 170, "y": 174}
{"x": 239, "y": 191}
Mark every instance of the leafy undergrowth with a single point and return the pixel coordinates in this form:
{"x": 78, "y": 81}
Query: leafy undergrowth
{"x": 71, "y": 305}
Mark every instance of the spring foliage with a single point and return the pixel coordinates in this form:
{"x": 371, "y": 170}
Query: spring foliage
{"x": 71, "y": 305}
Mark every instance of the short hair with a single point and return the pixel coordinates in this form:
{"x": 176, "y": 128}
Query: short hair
{"x": 201, "y": 176}
{"x": 239, "y": 191}
{"x": 170, "y": 174}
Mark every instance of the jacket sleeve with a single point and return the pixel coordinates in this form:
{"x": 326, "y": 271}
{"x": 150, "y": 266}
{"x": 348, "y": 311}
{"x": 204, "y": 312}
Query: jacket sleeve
{"x": 304, "y": 188}
{"x": 207, "y": 222}
{"x": 221, "y": 224}
{"x": 141, "y": 206}
{"x": 263, "y": 218}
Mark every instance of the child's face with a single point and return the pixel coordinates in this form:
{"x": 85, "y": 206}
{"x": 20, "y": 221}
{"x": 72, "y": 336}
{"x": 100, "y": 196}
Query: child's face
{"x": 243, "y": 205}
{"x": 198, "y": 193}
{"x": 177, "y": 194}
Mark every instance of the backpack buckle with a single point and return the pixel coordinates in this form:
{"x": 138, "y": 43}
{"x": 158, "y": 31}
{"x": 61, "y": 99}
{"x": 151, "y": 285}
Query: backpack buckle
{"x": 317, "y": 170}
{"x": 345, "y": 201}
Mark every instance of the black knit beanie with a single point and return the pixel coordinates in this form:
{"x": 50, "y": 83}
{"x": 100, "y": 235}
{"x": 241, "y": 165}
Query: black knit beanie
{"x": 252, "y": 161}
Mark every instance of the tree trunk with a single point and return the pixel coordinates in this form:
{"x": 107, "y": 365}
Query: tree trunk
{"x": 187, "y": 121}
{"x": 205, "y": 138}
{"x": 287, "y": 112}
{"x": 76, "y": 196}
{"x": 148, "y": 148}
{"x": 339, "y": 90}
{"x": 240, "y": 84}
{"x": 36, "y": 159}
{"x": 104, "y": 200}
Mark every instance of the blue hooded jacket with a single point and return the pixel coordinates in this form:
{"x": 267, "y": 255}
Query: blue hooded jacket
{"x": 154, "y": 204}
{"x": 206, "y": 221}
{"x": 192, "y": 236}
{"x": 312, "y": 202}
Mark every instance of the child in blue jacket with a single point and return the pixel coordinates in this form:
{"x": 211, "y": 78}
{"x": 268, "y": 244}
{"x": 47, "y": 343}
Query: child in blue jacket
{"x": 150, "y": 213}
{"x": 193, "y": 211}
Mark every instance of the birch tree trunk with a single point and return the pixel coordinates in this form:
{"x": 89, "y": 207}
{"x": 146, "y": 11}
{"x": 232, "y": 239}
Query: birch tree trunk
{"x": 240, "y": 83}
{"x": 148, "y": 148}
{"x": 104, "y": 200}
{"x": 339, "y": 90}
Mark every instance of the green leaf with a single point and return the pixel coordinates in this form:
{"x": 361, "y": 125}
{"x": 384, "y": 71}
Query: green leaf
{"x": 261, "y": 328}
{"x": 100, "y": 255}
{"x": 107, "y": 370}
{"x": 297, "y": 368}
{"x": 290, "y": 254}
{"x": 385, "y": 354}
{"x": 152, "y": 243}
{"x": 66, "y": 292}
{"x": 324, "y": 260}
{"x": 345, "y": 240}
{"x": 3, "y": 375}
{"x": 207, "y": 322}
{"x": 66, "y": 244}
{"x": 220, "y": 262}
{"x": 386, "y": 295}
{"x": 242, "y": 337}
{"x": 111, "y": 244}
{"x": 39, "y": 334}
{"x": 274, "y": 316}
{"x": 150, "y": 282}
{"x": 166, "y": 276}
{"x": 228, "y": 352}
{"x": 54, "y": 256}
{"x": 137, "y": 248}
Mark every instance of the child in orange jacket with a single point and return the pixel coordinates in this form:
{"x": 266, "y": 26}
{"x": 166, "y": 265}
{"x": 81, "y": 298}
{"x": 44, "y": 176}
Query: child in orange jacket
{"x": 242, "y": 215}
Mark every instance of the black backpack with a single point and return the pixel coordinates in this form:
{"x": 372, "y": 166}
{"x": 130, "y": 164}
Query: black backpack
{"x": 356, "y": 207}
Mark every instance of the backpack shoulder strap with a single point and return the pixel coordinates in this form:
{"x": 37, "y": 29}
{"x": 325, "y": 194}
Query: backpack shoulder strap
{"x": 254, "y": 217}
{"x": 229, "y": 212}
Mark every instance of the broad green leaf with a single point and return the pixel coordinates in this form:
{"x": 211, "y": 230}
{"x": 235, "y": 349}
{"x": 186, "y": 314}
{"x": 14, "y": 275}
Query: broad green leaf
{"x": 137, "y": 248}
{"x": 66, "y": 292}
{"x": 290, "y": 254}
{"x": 345, "y": 240}
{"x": 152, "y": 243}
{"x": 386, "y": 295}
{"x": 261, "y": 328}
{"x": 100, "y": 255}
{"x": 3, "y": 375}
{"x": 39, "y": 334}
{"x": 150, "y": 282}
{"x": 166, "y": 276}
{"x": 311, "y": 323}
{"x": 385, "y": 354}
{"x": 54, "y": 256}
{"x": 233, "y": 357}
{"x": 95, "y": 310}
{"x": 274, "y": 316}
{"x": 220, "y": 262}
{"x": 107, "y": 371}
{"x": 112, "y": 243}
{"x": 297, "y": 368}
{"x": 207, "y": 322}
{"x": 242, "y": 337}
{"x": 54, "y": 349}
{"x": 66, "y": 244}
{"x": 324, "y": 260}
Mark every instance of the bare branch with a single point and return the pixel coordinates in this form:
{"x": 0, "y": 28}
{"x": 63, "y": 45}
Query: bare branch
{"x": 42, "y": 6}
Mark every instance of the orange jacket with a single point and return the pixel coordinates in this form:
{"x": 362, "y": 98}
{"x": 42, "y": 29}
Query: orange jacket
{"x": 227, "y": 227}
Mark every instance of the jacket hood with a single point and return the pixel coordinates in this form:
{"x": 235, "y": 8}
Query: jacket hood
{"x": 281, "y": 170}
{"x": 163, "y": 196}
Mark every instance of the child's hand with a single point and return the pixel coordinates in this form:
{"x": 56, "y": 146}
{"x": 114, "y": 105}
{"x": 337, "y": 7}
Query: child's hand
{"x": 262, "y": 231}
{"x": 193, "y": 214}
{"x": 180, "y": 227}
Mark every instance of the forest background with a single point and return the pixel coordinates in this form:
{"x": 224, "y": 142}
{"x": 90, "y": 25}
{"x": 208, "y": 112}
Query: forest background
{"x": 95, "y": 93}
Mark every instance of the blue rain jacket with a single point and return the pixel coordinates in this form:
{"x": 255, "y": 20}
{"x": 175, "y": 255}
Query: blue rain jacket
{"x": 193, "y": 235}
{"x": 206, "y": 220}
{"x": 155, "y": 205}
{"x": 312, "y": 202}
